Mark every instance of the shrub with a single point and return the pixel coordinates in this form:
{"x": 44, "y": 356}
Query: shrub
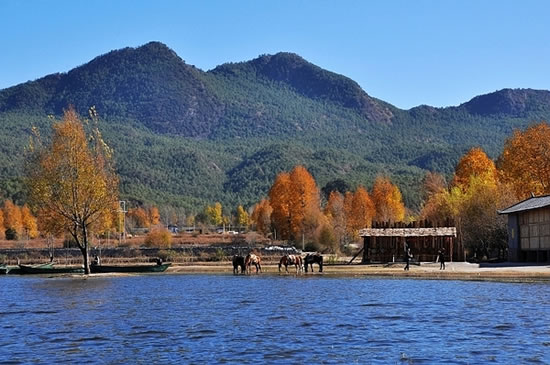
{"x": 11, "y": 234}
{"x": 158, "y": 237}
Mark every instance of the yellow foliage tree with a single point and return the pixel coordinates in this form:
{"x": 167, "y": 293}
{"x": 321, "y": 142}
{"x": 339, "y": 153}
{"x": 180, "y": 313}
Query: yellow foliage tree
{"x": 214, "y": 214}
{"x": 335, "y": 213}
{"x": 388, "y": 201}
{"x": 154, "y": 216}
{"x": 474, "y": 163}
{"x": 30, "y": 225}
{"x": 525, "y": 161}
{"x": 71, "y": 181}
{"x": 243, "y": 219}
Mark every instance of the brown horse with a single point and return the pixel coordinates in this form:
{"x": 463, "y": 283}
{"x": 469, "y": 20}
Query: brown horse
{"x": 295, "y": 260}
{"x": 313, "y": 259}
{"x": 238, "y": 261}
{"x": 255, "y": 260}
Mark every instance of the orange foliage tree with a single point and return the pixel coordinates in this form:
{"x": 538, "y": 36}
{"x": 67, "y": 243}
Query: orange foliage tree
{"x": 474, "y": 163}
{"x": 293, "y": 197}
{"x": 139, "y": 216}
{"x": 279, "y": 200}
{"x": 360, "y": 211}
{"x": 388, "y": 201}
{"x": 2, "y": 228}
{"x": 29, "y": 223}
{"x": 12, "y": 219}
{"x": 154, "y": 216}
{"x": 71, "y": 180}
{"x": 261, "y": 216}
{"x": 525, "y": 161}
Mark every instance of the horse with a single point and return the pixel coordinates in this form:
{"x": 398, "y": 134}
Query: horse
{"x": 311, "y": 259}
{"x": 253, "y": 259}
{"x": 295, "y": 260}
{"x": 238, "y": 261}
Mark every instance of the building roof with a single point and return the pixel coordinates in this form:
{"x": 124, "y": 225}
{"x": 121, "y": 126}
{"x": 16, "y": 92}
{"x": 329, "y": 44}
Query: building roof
{"x": 408, "y": 232}
{"x": 528, "y": 204}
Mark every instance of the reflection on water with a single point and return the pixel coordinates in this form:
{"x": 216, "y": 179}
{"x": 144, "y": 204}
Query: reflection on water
{"x": 271, "y": 319}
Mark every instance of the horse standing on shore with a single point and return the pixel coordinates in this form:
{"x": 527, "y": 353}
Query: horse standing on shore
{"x": 295, "y": 260}
{"x": 311, "y": 259}
{"x": 255, "y": 260}
{"x": 238, "y": 261}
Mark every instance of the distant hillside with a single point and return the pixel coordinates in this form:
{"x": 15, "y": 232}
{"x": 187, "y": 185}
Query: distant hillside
{"x": 184, "y": 137}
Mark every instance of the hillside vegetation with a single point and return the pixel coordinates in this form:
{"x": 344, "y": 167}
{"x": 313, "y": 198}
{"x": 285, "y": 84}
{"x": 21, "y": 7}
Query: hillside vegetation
{"x": 185, "y": 137}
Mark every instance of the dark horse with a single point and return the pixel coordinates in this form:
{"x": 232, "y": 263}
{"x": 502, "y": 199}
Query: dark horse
{"x": 313, "y": 259}
{"x": 252, "y": 259}
{"x": 295, "y": 260}
{"x": 238, "y": 261}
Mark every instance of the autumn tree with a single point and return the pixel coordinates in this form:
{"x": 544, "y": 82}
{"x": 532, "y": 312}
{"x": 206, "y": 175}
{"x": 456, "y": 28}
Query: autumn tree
{"x": 154, "y": 216}
{"x": 474, "y": 163}
{"x": 243, "y": 219}
{"x": 71, "y": 180}
{"x": 293, "y": 197}
{"x": 335, "y": 213}
{"x": 214, "y": 214}
{"x": 139, "y": 217}
{"x": 360, "y": 211}
{"x": 471, "y": 202}
{"x": 261, "y": 216}
{"x": 13, "y": 221}
{"x": 2, "y": 228}
{"x": 29, "y": 223}
{"x": 388, "y": 201}
{"x": 525, "y": 161}
{"x": 279, "y": 200}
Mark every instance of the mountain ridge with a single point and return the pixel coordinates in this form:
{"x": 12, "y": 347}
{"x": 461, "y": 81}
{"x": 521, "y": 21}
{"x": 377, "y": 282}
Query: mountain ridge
{"x": 185, "y": 136}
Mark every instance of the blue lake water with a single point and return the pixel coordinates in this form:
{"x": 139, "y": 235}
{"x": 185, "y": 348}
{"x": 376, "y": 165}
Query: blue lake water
{"x": 271, "y": 319}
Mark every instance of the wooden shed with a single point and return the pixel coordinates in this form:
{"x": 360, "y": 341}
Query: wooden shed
{"x": 529, "y": 230}
{"x": 385, "y": 243}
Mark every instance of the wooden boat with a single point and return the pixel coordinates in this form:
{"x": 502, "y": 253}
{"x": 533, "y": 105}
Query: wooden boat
{"x": 49, "y": 269}
{"x": 128, "y": 268}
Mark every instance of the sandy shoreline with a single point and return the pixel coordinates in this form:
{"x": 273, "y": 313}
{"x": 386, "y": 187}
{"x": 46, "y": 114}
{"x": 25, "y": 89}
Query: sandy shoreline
{"x": 454, "y": 271}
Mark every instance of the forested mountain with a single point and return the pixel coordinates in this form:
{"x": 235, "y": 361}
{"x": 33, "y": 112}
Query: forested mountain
{"x": 185, "y": 137}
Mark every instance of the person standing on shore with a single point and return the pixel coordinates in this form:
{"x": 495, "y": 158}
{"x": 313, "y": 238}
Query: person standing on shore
{"x": 441, "y": 259}
{"x": 408, "y": 257}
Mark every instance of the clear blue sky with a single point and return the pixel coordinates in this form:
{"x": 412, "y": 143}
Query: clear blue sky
{"x": 409, "y": 52}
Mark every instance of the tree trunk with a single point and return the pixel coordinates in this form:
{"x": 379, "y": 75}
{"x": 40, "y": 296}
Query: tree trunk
{"x": 85, "y": 251}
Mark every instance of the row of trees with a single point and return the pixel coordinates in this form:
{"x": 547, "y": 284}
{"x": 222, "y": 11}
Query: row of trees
{"x": 293, "y": 210}
{"x": 480, "y": 187}
{"x": 17, "y": 222}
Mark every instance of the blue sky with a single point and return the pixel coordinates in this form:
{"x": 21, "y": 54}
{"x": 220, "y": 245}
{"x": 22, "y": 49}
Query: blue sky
{"x": 405, "y": 52}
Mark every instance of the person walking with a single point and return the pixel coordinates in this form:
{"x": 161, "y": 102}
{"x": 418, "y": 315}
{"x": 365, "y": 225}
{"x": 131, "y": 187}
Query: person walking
{"x": 441, "y": 259}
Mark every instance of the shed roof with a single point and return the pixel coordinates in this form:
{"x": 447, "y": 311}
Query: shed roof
{"x": 408, "y": 232}
{"x": 528, "y": 204}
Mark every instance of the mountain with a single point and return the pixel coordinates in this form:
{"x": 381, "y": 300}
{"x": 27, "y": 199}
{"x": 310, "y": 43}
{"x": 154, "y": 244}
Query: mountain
{"x": 184, "y": 137}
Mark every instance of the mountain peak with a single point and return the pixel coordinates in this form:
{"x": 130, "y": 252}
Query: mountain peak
{"x": 317, "y": 83}
{"x": 514, "y": 102}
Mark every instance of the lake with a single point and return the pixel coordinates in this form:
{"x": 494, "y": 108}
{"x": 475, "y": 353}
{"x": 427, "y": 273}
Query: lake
{"x": 271, "y": 319}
